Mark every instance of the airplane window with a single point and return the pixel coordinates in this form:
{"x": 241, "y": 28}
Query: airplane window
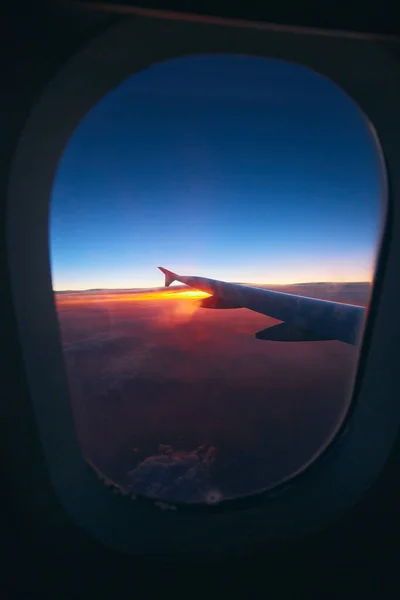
{"x": 255, "y": 185}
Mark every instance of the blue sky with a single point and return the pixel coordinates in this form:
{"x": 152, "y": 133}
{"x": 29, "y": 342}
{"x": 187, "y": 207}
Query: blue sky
{"x": 231, "y": 167}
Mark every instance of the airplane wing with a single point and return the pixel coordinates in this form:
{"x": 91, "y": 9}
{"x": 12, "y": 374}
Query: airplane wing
{"x": 304, "y": 319}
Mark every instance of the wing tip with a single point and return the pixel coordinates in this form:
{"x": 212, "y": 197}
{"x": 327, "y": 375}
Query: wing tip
{"x": 169, "y": 276}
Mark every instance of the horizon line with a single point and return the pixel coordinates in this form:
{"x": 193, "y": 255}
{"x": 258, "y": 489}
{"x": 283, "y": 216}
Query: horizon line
{"x": 236, "y": 282}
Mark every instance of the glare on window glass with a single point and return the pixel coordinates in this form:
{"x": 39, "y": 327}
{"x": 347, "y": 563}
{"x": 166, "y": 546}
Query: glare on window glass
{"x": 257, "y": 173}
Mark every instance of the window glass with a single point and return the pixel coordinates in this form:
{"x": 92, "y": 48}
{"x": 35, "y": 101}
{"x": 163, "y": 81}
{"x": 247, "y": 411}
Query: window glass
{"x": 235, "y": 168}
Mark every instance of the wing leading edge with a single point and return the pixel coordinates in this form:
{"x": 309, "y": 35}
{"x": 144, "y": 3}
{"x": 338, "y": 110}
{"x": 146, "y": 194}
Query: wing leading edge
{"x": 305, "y": 319}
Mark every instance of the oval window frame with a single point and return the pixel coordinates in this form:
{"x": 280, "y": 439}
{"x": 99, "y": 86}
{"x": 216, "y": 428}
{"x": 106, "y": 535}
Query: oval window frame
{"x": 307, "y": 501}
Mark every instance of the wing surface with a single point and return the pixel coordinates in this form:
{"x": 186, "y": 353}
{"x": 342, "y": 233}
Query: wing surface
{"x": 305, "y": 319}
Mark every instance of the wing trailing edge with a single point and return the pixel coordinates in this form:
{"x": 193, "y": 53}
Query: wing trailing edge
{"x": 289, "y": 332}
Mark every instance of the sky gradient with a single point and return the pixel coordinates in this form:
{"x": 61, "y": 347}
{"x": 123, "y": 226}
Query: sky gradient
{"x": 230, "y": 167}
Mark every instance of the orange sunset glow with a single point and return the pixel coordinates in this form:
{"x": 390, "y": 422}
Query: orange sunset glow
{"x": 83, "y": 298}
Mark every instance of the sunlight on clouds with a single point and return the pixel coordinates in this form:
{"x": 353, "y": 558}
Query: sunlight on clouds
{"x": 65, "y": 300}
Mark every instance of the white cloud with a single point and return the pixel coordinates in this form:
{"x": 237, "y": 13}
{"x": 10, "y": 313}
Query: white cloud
{"x": 176, "y": 476}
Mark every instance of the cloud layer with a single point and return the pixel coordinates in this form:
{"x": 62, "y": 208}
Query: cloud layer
{"x": 150, "y": 381}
